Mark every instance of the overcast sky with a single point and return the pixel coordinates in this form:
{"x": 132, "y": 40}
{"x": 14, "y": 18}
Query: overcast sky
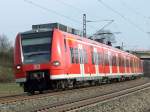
{"x": 131, "y": 17}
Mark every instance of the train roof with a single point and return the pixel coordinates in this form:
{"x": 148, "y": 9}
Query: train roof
{"x": 95, "y": 43}
{"x": 35, "y": 31}
{"x": 52, "y": 26}
{"x": 57, "y": 26}
{"x": 76, "y": 34}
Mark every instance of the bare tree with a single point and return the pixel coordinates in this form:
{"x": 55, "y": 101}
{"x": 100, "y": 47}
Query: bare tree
{"x": 6, "y": 59}
{"x": 6, "y": 51}
{"x": 5, "y": 44}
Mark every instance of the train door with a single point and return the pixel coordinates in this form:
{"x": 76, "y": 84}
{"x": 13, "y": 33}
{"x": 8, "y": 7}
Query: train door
{"x": 81, "y": 59}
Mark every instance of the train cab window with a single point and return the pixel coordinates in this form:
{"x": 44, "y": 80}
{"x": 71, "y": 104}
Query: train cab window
{"x": 36, "y": 47}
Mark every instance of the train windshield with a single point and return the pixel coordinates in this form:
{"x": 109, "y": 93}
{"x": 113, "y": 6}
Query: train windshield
{"x": 36, "y": 47}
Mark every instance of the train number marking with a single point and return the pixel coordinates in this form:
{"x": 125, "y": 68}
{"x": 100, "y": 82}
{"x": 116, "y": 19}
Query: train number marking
{"x": 37, "y": 66}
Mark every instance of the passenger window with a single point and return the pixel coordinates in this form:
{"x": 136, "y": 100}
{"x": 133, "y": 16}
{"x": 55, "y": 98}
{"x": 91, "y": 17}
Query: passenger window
{"x": 106, "y": 60}
{"x": 114, "y": 61}
{"x": 72, "y": 55}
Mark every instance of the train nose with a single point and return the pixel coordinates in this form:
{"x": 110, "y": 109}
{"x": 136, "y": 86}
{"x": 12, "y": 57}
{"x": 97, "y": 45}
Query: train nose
{"x": 38, "y": 80}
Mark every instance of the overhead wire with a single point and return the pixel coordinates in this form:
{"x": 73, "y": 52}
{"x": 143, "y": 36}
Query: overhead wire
{"x": 88, "y": 21}
{"x": 121, "y": 33}
{"x": 71, "y": 6}
{"x": 75, "y": 8}
{"x": 55, "y": 12}
{"x": 52, "y": 11}
{"x": 133, "y": 9}
{"x": 122, "y": 16}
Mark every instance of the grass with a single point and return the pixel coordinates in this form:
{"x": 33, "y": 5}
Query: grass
{"x": 10, "y": 89}
{"x": 7, "y": 88}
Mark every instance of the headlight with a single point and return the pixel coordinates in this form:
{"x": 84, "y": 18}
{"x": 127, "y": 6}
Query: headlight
{"x": 18, "y": 67}
{"x": 56, "y": 63}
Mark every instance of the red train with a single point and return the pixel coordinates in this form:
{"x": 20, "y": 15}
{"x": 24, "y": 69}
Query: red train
{"x": 53, "y": 56}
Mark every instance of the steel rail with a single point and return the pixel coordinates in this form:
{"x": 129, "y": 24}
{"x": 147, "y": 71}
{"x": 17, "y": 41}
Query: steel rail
{"x": 19, "y": 98}
{"x": 85, "y": 101}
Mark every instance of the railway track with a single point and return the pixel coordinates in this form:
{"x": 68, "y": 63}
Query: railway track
{"x": 89, "y": 100}
{"x": 11, "y": 101}
{"x": 25, "y": 97}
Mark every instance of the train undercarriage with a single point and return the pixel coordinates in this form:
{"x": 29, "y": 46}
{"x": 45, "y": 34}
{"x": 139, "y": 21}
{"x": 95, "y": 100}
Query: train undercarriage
{"x": 40, "y": 81}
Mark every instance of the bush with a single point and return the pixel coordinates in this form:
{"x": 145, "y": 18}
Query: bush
{"x": 6, "y": 74}
{"x": 6, "y": 59}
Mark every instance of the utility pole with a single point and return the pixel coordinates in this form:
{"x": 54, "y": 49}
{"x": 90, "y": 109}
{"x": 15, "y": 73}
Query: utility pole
{"x": 84, "y": 25}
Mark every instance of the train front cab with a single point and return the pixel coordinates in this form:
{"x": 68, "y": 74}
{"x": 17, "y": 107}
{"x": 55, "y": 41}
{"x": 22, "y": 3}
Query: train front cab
{"x": 36, "y": 56}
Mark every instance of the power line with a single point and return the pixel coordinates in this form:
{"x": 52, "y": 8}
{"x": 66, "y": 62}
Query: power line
{"x": 73, "y": 7}
{"x": 132, "y": 9}
{"x": 122, "y": 16}
{"x": 79, "y": 10}
{"x": 50, "y": 10}
{"x": 55, "y": 12}
{"x": 69, "y": 5}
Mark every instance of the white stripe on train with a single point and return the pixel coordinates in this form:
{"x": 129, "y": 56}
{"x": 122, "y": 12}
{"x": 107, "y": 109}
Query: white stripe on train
{"x": 86, "y": 76}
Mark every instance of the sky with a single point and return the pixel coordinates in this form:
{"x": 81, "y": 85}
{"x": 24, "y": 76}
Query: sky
{"x": 131, "y": 17}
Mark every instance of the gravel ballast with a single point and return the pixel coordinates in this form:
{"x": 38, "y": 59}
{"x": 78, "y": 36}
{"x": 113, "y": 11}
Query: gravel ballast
{"x": 26, "y": 106}
{"x": 137, "y": 102}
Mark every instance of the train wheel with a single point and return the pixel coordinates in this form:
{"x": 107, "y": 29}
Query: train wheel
{"x": 60, "y": 84}
{"x": 41, "y": 92}
{"x": 31, "y": 92}
{"x": 70, "y": 84}
{"x": 99, "y": 82}
{"x": 63, "y": 84}
{"x": 132, "y": 77}
{"x": 118, "y": 79}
